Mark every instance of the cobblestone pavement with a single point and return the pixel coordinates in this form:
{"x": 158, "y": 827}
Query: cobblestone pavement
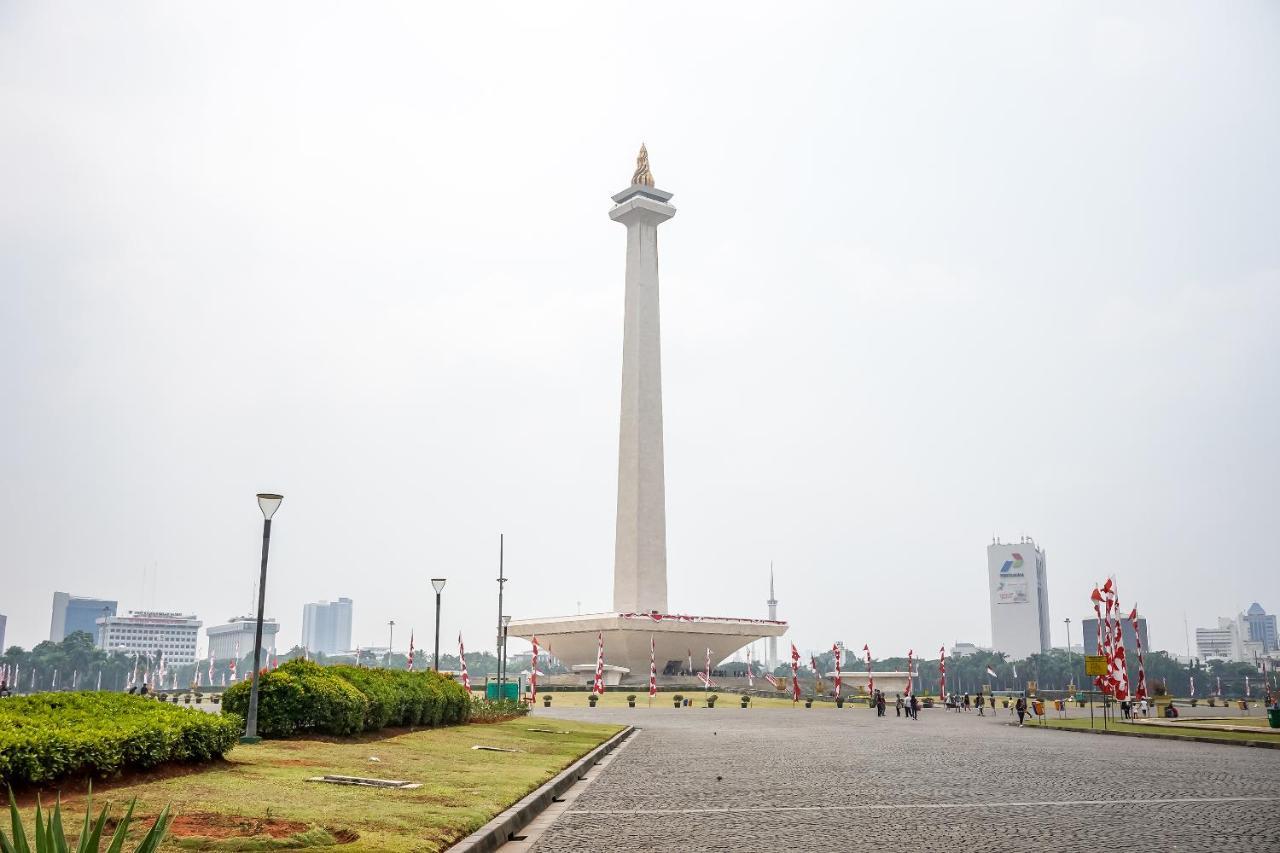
{"x": 826, "y": 779}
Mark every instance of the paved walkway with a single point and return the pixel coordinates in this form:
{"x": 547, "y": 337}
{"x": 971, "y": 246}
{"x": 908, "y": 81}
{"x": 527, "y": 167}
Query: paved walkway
{"x": 778, "y": 779}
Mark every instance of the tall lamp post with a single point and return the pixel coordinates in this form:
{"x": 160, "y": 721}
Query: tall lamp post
{"x": 391, "y": 632}
{"x": 268, "y": 504}
{"x": 438, "y": 583}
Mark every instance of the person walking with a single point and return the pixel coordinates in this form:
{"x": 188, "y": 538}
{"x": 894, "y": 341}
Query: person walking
{"x": 1021, "y": 707}
{"x": 880, "y": 703}
{"x": 915, "y": 707}
{"x": 897, "y": 705}
{"x": 978, "y": 701}
{"x": 966, "y": 702}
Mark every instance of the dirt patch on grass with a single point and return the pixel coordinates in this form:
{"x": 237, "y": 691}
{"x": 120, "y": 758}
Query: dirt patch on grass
{"x": 212, "y": 825}
{"x": 74, "y": 789}
{"x": 344, "y": 836}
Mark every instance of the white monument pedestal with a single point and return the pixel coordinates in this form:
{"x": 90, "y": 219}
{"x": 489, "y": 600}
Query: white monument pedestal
{"x": 613, "y": 675}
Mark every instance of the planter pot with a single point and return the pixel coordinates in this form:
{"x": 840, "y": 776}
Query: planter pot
{"x": 631, "y": 703}
{"x": 186, "y": 700}
{"x": 1193, "y": 702}
{"x": 546, "y": 702}
{"x": 839, "y": 703}
{"x": 745, "y": 703}
{"x": 1004, "y": 703}
{"x": 676, "y": 704}
{"x": 808, "y": 703}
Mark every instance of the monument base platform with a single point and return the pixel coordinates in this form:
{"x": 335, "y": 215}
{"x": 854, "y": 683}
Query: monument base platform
{"x": 572, "y": 639}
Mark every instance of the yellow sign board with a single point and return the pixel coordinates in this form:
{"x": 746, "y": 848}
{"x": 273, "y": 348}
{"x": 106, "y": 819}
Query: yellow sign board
{"x": 1095, "y": 664}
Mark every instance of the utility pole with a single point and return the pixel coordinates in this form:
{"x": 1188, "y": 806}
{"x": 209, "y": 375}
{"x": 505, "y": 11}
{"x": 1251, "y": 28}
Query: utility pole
{"x": 1070, "y": 666}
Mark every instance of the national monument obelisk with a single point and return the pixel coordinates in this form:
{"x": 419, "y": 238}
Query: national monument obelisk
{"x": 640, "y": 611}
{"x": 640, "y": 544}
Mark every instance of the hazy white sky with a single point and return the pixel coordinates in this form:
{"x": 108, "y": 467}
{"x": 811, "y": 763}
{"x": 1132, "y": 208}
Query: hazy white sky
{"x": 939, "y": 272}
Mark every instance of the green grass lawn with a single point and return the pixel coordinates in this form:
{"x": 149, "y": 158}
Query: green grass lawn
{"x": 263, "y": 788}
{"x": 616, "y": 697}
{"x": 1160, "y": 731}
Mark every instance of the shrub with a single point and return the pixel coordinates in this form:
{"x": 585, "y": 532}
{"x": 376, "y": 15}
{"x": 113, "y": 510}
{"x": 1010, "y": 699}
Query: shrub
{"x": 496, "y": 710}
{"x": 48, "y": 736}
{"x": 342, "y": 700}
{"x": 300, "y": 696}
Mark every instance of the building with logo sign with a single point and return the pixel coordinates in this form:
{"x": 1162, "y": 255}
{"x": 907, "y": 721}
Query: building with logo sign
{"x": 150, "y": 632}
{"x": 1019, "y": 590}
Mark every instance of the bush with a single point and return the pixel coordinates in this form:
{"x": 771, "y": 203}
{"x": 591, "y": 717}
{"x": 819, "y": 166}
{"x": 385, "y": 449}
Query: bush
{"x": 48, "y": 736}
{"x": 342, "y": 700}
{"x": 496, "y": 710}
{"x": 300, "y": 696}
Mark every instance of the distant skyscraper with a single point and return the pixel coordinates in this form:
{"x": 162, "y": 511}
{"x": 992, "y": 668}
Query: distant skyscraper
{"x": 73, "y": 613}
{"x": 326, "y": 626}
{"x": 1260, "y": 627}
{"x": 1019, "y": 589}
{"x": 3, "y": 621}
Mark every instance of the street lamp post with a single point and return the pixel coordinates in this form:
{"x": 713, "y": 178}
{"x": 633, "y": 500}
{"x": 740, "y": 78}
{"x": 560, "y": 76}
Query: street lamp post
{"x": 391, "y": 632}
{"x": 268, "y": 504}
{"x": 438, "y": 583}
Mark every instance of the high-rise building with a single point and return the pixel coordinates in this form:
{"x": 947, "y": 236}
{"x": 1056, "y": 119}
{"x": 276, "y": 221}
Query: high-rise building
{"x": 326, "y": 626}
{"x": 151, "y": 631}
{"x": 1089, "y": 627}
{"x": 1260, "y": 627}
{"x": 4, "y": 620}
{"x": 1222, "y": 642}
{"x": 73, "y": 613}
{"x": 1019, "y": 590}
{"x": 234, "y": 638}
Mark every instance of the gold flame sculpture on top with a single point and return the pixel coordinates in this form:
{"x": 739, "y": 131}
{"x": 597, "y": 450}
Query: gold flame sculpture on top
{"x": 643, "y": 176}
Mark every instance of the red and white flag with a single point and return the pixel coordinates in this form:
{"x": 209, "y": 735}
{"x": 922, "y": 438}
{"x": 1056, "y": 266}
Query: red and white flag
{"x": 835, "y": 647}
{"x": 409, "y": 665}
{"x": 597, "y": 686}
{"x": 690, "y": 660}
{"x": 773, "y": 681}
{"x": 653, "y": 668}
{"x": 708, "y": 678}
{"x": 871, "y": 682}
{"x": 1247, "y": 694}
{"x": 991, "y": 673}
{"x": 1219, "y": 686}
{"x": 795, "y": 674}
{"x": 942, "y": 671}
{"x": 533, "y": 672}
{"x": 210, "y": 665}
{"x": 1141, "y": 692}
{"x": 233, "y": 662}
{"x": 462, "y": 664}
{"x": 910, "y": 671}
{"x": 1193, "y": 686}
{"x": 1118, "y": 652}
{"x": 751, "y": 676}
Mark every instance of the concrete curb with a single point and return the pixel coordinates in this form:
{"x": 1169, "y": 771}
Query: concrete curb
{"x": 1260, "y": 744}
{"x": 498, "y": 831}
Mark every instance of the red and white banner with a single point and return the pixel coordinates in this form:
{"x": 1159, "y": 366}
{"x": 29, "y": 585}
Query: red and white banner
{"x": 597, "y": 686}
{"x": 462, "y": 664}
{"x": 233, "y": 662}
{"x": 653, "y": 669}
{"x": 533, "y": 672}
{"x": 1247, "y": 694}
{"x": 1219, "y": 686}
{"x": 751, "y": 676}
{"x": 910, "y": 672}
{"x": 871, "y": 682}
{"x": 836, "y": 649}
{"x": 706, "y": 681}
{"x": 773, "y": 681}
{"x": 795, "y": 674}
{"x": 942, "y": 671}
{"x": 409, "y": 665}
{"x": 210, "y": 666}
{"x": 1141, "y": 692}
{"x": 1099, "y": 681}
{"x": 1118, "y": 652}
{"x": 1193, "y": 686}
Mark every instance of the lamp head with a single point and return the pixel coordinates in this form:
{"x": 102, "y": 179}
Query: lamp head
{"x": 506, "y": 620}
{"x": 269, "y": 504}
{"x": 438, "y": 583}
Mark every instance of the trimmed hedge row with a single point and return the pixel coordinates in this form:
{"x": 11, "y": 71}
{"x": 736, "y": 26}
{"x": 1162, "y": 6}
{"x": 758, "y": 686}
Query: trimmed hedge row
{"x": 49, "y": 736}
{"x": 302, "y": 696}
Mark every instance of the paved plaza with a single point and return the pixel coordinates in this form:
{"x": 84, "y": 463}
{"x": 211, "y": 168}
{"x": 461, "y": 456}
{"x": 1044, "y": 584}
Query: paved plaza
{"x": 823, "y": 779}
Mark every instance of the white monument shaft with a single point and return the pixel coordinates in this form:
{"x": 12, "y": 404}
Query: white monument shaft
{"x": 640, "y": 546}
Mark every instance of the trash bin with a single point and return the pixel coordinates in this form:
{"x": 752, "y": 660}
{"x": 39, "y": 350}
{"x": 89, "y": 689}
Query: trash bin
{"x": 1273, "y": 717}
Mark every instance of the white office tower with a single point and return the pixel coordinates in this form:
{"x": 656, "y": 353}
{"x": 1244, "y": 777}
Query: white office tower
{"x": 1019, "y": 588}
{"x": 326, "y": 626}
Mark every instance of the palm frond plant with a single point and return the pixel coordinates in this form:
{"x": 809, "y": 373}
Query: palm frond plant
{"x": 50, "y": 836}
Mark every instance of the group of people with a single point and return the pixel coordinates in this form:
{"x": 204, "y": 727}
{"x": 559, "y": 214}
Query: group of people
{"x": 964, "y": 702}
{"x": 911, "y": 704}
{"x": 1131, "y": 710}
